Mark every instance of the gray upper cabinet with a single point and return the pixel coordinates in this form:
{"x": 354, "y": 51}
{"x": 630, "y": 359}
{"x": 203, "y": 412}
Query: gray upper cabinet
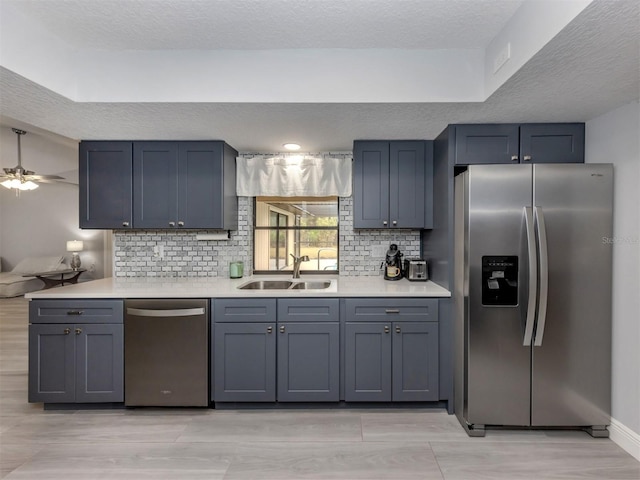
{"x": 73, "y": 362}
{"x": 391, "y": 350}
{"x": 184, "y": 185}
{"x": 519, "y": 143}
{"x": 169, "y": 184}
{"x": 105, "y": 180}
{"x": 552, "y": 143}
{"x": 390, "y": 179}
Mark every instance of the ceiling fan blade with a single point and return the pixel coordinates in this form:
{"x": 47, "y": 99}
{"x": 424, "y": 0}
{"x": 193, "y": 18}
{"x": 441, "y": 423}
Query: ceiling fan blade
{"x": 43, "y": 178}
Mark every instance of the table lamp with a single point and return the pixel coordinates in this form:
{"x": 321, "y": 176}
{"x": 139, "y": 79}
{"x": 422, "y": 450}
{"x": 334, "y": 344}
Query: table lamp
{"x": 75, "y": 246}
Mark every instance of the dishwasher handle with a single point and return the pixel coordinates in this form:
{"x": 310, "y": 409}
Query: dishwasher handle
{"x": 180, "y": 312}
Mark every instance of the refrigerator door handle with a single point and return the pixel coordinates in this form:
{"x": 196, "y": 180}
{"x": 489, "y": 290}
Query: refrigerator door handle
{"x": 533, "y": 276}
{"x": 544, "y": 275}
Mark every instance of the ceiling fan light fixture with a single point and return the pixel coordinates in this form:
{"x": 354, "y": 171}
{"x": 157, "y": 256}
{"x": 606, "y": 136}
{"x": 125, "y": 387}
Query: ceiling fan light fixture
{"x": 19, "y": 178}
{"x": 18, "y": 185}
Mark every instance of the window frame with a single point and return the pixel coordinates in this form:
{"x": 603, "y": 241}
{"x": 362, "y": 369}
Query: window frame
{"x": 295, "y": 229}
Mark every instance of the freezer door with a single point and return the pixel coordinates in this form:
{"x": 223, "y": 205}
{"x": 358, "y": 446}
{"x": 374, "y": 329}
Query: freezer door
{"x": 571, "y": 371}
{"x": 497, "y": 361}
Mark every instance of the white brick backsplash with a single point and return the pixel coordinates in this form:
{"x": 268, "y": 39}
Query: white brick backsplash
{"x": 185, "y": 256}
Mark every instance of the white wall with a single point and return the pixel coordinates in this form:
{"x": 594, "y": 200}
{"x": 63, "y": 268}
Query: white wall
{"x": 613, "y": 138}
{"x": 39, "y": 222}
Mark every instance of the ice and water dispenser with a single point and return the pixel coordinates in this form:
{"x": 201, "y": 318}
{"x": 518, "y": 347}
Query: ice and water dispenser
{"x": 500, "y": 280}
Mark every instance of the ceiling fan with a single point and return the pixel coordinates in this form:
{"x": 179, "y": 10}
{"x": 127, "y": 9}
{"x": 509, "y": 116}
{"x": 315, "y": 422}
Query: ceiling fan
{"x": 19, "y": 177}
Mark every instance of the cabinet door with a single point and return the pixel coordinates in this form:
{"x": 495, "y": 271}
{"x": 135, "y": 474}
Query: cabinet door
{"x": 308, "y": 362}
{"x": 99, "y": 362}
{"x": 51, "y": 363}
{"x": 370, "y": 184}
{"x": 105, "y": 181}
{"x": 552, "y": 143}
{"x": 155, "y": 173}
{"x": 244, "y": 362}
{"x": 492, "y": 143}
{"x": 415, "y": 361}
{"x": 406, "y": 184}
{"x": 367, "y": 362}
{"x": 200, "y": 185}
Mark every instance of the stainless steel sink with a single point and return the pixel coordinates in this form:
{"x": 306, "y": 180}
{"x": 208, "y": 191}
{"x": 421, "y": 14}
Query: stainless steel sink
{"x": 266, "y": 285}
{"x": 310, "y": 285}
{"x": 284, "y": 285}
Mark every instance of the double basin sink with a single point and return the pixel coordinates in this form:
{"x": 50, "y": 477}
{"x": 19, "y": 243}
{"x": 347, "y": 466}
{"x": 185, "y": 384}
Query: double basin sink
{"x": 285, "y": 285}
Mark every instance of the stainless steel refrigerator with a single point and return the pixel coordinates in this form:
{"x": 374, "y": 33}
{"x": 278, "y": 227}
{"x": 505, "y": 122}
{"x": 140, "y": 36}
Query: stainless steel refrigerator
{"x": 532, "y": 296}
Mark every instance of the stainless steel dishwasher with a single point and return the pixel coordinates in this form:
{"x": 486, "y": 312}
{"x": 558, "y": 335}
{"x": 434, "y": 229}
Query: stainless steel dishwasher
{"x": 166, "y": 352}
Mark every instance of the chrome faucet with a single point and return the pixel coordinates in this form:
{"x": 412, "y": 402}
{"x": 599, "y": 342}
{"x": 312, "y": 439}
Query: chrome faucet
{"x": 296, "y": 264}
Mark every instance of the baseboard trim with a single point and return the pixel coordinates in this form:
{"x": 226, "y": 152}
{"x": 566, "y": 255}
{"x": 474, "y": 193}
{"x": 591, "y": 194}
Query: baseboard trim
{"x": 625, "y": 438}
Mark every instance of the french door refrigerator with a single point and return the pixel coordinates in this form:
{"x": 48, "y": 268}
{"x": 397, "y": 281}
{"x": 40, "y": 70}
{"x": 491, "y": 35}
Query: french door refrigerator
{"x": 532, "y": 296}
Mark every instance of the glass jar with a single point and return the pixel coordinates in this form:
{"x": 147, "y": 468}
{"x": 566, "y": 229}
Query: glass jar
{"x": 236, "y": 269}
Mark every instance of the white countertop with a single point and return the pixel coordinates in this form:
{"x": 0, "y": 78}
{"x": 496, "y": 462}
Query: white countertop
{"x": 211, "y": 287}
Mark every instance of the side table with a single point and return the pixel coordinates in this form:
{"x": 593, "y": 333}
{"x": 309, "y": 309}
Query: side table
{"x": 57, "y": 277}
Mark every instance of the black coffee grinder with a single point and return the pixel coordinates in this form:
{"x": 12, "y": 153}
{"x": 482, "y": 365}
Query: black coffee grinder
{"x": 393, "y": 263}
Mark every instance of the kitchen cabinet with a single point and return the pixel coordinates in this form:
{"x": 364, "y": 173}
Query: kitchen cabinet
{"x": 169, "y": 184}
{"x": 76, "y": 351}
{"x": 262, "y": 353}
{"x": 392, "y": 184}
{"x": 105, "y": 181}
{"x": 308, "y": 350}
{"x": 184, "y": 185}
{"x": 391, "y": 350}
{"x": 244, "y": 350}
{"x": 519, "y": 143}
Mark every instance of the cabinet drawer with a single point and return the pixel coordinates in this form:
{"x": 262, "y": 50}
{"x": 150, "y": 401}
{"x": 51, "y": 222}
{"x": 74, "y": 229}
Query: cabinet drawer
{"x": 308, "y": 310}
{"x": 244, "y": 310}
{"x": 75, "y": 311}
{"x": 391, "y": 309}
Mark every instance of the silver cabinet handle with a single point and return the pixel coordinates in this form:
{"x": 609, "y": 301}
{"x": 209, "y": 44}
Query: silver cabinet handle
{"x": 182, "y": 312}
{"x": 269, "y": 329}
{"x": 544, "y": 275}
{"x": 281, "y": 328}
{"x": 392, "y": 310}
{"x": 386, "y": 329}
{"x": 514, "y": 158}
{"x": 172, "y": 224}
{"x": 394, "y": 223}
{"x": 78, "y": 331}
{"x": 67, "y": 331}
{"x": 533, "y": 277}
{"x": 527, "y": 158}
{"x": 181, "y": 224}
{"x": 384, "y": 222}
{"x": 75, "y": 312}
{"x": 398, "y": 329}
{"x": 125, "y": 224}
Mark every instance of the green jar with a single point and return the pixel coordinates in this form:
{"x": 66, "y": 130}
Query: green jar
{"x": 236, "y": 269}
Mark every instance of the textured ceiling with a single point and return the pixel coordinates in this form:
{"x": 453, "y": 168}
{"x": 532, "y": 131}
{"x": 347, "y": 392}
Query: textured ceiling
{"x": 592, "y": 66}
{"x": 273, "y": 24}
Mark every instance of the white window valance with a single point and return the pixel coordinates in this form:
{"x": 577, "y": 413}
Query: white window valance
{"x": 293, "y": 175}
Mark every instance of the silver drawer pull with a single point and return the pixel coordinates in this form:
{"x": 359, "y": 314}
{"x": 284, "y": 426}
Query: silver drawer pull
{"x": 182, "y": 312}
{"x": 392, "y": 310}
{"x": 386, "y": 329}
{"x": 75, "y": 312}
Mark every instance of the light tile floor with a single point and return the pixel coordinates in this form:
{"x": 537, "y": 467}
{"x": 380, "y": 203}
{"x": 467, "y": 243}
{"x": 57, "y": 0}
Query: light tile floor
{"x": 342, "y": 444}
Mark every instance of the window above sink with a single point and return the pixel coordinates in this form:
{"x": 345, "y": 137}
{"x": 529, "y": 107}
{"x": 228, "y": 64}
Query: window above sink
{"x": 288, "y": 227}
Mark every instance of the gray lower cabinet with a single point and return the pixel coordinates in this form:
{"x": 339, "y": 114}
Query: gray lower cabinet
{"x": 308, "y": 350}
{"x": 244, "y": 362}
{"x": 263, "y": 356}
{"x": 76, "y": 362}
{"x": 391, "y": 350}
